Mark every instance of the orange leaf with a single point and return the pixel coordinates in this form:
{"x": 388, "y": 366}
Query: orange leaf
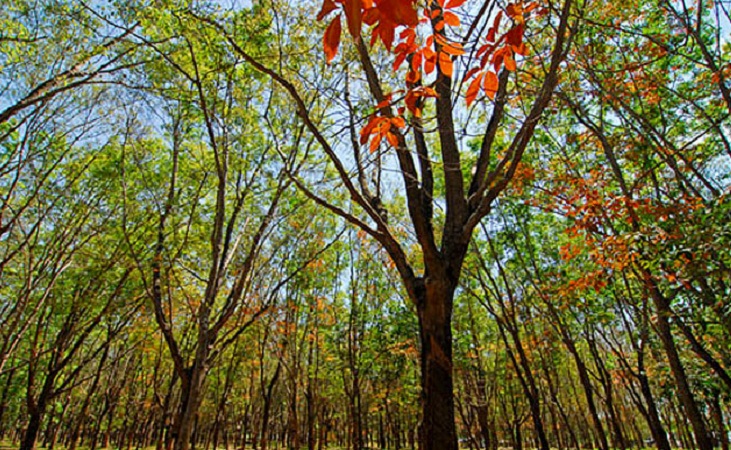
{"x": 416, "y": 61}
{"x": 514, "y": 10}
{"x": 411, "y": 103}
{"x": 368, "y": 129}
{"x": 429, "y": 92}
{"x": 413, "y": 77}
{"x": 328, "y": 6}
{"x": 510, "y": 62}
{"x": 453, "y": 49}
{"x": 354, "y": 15}
{"x": 521, "y": 49}
{"x": 439, "y": 26}
{"x": 331, "y": 40}
{"x": 392, "y": 139}
{"x": 451, "y": 19}
{"x": 473, "y": 89}
{"x": 398, "y": 122}
{"x": 430, "y": 63}
{"x": 375, "y": 142}
{"x": 445, "y": 64}
{"x": 491, "y": 84}
{"x": 386, "y": 101}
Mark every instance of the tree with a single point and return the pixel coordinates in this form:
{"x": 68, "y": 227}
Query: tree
{"x": 464, "y": 187}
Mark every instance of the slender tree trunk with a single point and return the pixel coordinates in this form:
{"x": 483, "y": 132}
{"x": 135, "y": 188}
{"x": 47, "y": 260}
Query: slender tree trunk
{"x": 5, "y": 399}
{"x": 81, "y": 419}
{"x": 717, "y": 414}
{"x": 267, "y": 407}
{"x": 702, "y": 437}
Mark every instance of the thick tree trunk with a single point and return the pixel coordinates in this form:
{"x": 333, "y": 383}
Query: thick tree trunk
{"x": 435, "y": 331}
{"x": 31, "y": 431}
{"x": 190, "y": 401}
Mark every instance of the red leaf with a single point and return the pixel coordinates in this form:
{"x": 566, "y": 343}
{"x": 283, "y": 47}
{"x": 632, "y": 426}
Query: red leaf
{"x": 400, "y": 12}
{"x": 530, "y": 7}
{"x": 416, "y": 61}
{"x": 410, "y": 100}
{"x": 413, "y": 77}
{"x": 454, "y": 4}
{"x": 514, "y": 10}
{"x": 491, "y": 34}
{"x": 386, "y": 33}
{"x": 470, "y": 73}
{"x": 368, "y": 130}
{"x": 498, "y": 57}
{"x": 354, "y": 15}
{"x": 399, "y": 60}
{"x": 328, "y": 6}
{"x": 386, "y": 101}
{"x": 473, "y": 89}
{"x": 371, "y": 16}
{"x": 515, "y": 35}
{"x": 331, "y": 40}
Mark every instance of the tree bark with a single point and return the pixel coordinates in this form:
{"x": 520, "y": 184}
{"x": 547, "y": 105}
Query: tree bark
{"x": 435, "y": 331}
{"x": 700, "y": 431}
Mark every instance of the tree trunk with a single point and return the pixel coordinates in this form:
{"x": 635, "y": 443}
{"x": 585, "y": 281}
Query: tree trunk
{"x": 435, "y": 332}
{"x": 82, "y": 417}
{"x": 267, "y": 406}
{"x": 5, "y": 399}
{"x": 702, "y": 437}
{"x": 656, "y": 428}
{"x": 717, "y": 414}
{"x": 190, "y": 400}
{"x": 31, "y": 431}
